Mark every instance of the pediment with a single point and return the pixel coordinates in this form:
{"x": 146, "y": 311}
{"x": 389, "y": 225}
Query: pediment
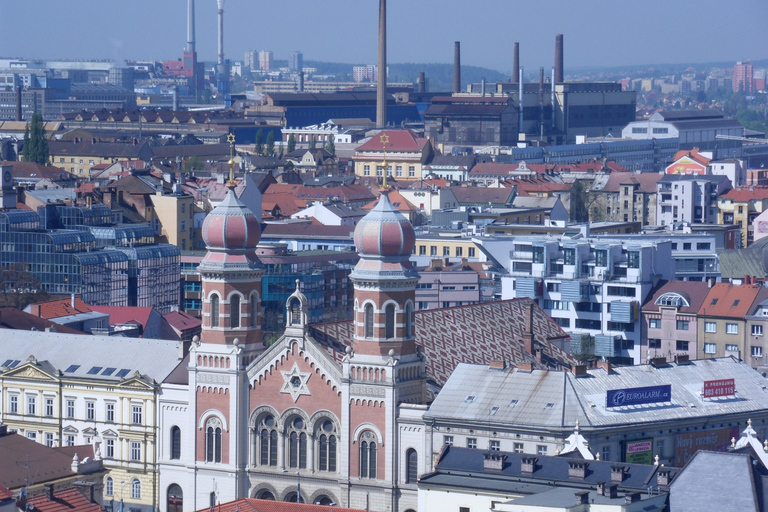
{"x": 29, "y": 371}
{"x": 69, "y": 429}
{"x": 90, "y": 431}
{"x": 109, "y": 433}
{"x": 137, "y": 382}
{"x": 282, "y": 356}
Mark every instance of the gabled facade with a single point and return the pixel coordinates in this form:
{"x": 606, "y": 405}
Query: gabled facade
{"x": 404, "y": 152}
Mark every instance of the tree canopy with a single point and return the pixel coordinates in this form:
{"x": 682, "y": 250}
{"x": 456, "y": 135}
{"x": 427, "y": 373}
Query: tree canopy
{"x": 35, "y": 141}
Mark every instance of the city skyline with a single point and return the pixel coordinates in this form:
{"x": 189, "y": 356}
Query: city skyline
{"x": 659, "y": 32}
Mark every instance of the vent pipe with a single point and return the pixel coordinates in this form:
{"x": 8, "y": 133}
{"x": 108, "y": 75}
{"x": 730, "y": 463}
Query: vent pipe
{"x": 457, "y": 67}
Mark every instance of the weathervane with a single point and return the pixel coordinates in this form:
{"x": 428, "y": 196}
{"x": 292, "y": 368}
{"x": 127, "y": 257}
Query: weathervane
{"x": 384, "y": 139}
{"x": 231, "y": 139}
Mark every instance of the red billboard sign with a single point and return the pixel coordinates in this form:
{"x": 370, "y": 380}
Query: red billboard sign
{"x": 716, "y": 388}
{"x": 717, "y": 440}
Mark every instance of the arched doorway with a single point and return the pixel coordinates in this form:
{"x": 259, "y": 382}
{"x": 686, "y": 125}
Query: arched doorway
{"x": 175, "y": 498}
{"x": 265, "y": 495}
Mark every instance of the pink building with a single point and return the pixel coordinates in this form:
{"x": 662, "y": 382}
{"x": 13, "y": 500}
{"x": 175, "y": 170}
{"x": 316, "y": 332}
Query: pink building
{"x": 742, "y": 77}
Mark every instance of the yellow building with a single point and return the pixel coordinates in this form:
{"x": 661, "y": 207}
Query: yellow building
{"x": 176, "y": 214}
{"x": 454, "y": 247}
{"x": 741, "y": 207}
{"x": 91, "y": 390}
{"x": 405, "y": 153}
{"x": 78, "y": 156}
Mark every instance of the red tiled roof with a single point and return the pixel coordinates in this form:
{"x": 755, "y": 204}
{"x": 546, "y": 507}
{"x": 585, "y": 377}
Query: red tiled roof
{"x": 277, "y": 230}
{"x": 12, "y": 318}
{"x": 288, "y": 203}
{"x": 254, "y": 505}
{"x": 348, "y": 193}
{"x": 746, "y": 194}
{"x": 532, "y": 186}
{"x": 181, "y": 320}
{"x": 397, "y": 200}
{"x": 59, "y": 308}
{"x": 65, "y": 500}
{"x": 37, "y": 171}
{"x": 475, "y": 333}
{"x": 399, "y": 140}
{"x": 125, "y": 314}
{"x": 695, "y": 292}
{"x": 693, "y": 154}
{"x": 728, "y": 300}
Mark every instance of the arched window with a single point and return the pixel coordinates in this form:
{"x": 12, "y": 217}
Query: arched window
{"x": 135, "y": 489}
{"x": 323, "y": 500}
{"x": 389, "y": 321}
{"x": 295, "y": 312}
{"x": 175, "y": 442}
{"x": 326, "y": 436}
{"x": 267, "y": 434}
{"x": 367, "y": 454}
{"x": 254, "y": 310}
{"x": 297, "y": 444}
{"x": 408, "y": 320}
{"x": 175, "y": 499}
{"x": 213, "y": 440}
{"x": 411, "y": 466}
{"x": 368, "y": 318}
{"x": 234, "y": 311}
{"x": 265, "y": 495}
{"x": 214, "y": 310}
{"x": 109, "y": 486}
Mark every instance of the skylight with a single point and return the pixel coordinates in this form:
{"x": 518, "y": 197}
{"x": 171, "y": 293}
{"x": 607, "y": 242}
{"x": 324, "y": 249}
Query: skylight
{"x": 470, "y": 398}
{"x": 108, "y": 371}
{"x": 735, "y": 303}
{"x": 72, "y": 368}
{"x": 94, "y": 370}
{"x": 714, "y": 301}
{"x": 123, "y": 373}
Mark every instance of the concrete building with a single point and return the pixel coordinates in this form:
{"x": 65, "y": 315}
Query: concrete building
{"x": 743, "y": 77}
{"x": 266, "y": 61}
{"x": 534, "y": 412}
{"x": 592, "y": 287}
{"x": 296, "y": 62}
{"x": 689, "y": 198}
{"x": 742, "y": 206}
{"x": 444, "y": 285}
{"x": 626, "y": 197}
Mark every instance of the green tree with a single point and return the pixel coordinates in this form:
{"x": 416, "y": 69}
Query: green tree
{"x": 291, "y": 143}
{"x": 579, "y": 201}
{"x": 258, "y": 148}
{"x": 19, "y": 288}
{"x": 271, "y": 143}
{"x": 330, "y": 146}
{"x": 35, "y": 141}
{"x": 192, "y": 163}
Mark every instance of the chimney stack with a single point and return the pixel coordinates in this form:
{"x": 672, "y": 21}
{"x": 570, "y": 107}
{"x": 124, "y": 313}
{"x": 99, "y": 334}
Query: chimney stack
{"x": 19, "y": 116}
{"x": 220, "y": 4}
{"x": 191, "y": 26}
{"x": 301, "y": 81}
{"x": 421, "y": 84}
{"x": 381, "y": 83}
{"x": 559, "y": 58}
{"x": 516, "y": 65}
{"x": 456, "y": 67}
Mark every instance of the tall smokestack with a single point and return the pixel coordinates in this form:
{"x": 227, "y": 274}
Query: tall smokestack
{"x": 301, "y": 81}
{"x": 457, "y": 67}
{"x": 381, "y": 83}
{"x": 19, "y": 115}
{"x": 541, "y": 103}
{"x": 421, "y": 84}
{"x": 221, "y": 31}
{"x": 520, "y": 103}
{"x": 190, "y": 26}
{"x": 559, "y": 58}
{"x": 516, "y": 65}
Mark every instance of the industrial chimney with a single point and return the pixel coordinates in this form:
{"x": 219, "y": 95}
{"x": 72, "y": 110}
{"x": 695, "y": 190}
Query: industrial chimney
{"x": 381, "y": 83}
{"x": 516, "y": 65}
{"x": 221, "y": 32}
{"x": 19, "y": 114}
{"x": 457, "y": 67}
{"x": 191, "y": 26}
{"x": 301, "y": 81}
{"x": 421, "y": 84}
{"x": 559, "y": 58}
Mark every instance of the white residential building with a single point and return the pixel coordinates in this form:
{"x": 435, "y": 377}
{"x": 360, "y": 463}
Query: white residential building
{"x": 689, "y": 198}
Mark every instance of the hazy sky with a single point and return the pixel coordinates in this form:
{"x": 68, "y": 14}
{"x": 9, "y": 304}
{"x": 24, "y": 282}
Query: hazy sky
{"x": 596, "y": 32}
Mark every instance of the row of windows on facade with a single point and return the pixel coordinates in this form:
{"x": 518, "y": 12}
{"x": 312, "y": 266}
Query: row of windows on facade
{"x": 234, "y": 311}
{"x": 709, "y": 327}
{"x": 389, "y": 320}
{"x": 398, "y": 170}
{"x": 137, "y": 411}
{"x": 109, "y": 488}
{"x": 134, "y": 447}
{"x": 600, "y": 256}
{"x": 458, "y": 251}
{"x": 709, "y": 348}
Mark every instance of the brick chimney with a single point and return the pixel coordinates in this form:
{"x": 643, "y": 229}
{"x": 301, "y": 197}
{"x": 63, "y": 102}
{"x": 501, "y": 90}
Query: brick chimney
{"x": 617, "y": 473}
{"x": 528, "y": 465}
{"x": 493, "y": 460}
{"x": 662, "y": 477}
{"x": 49, "y": 491}
{"x": 579, "y": 370}
{"x": 525, "y": 367}
{"x": 605, "y": 365}
{"x": 631, "y": 497}
{"x": 659, "y": 362}
{"x": 682, "y": 358}
{"x": 608, "y": 490}
{"x": 577, "y": 469}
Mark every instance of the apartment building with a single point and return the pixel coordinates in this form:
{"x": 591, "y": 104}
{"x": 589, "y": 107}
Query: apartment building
{"x": 689, "y": 198}
{"x": 443, "y": 285}
{"x": 590, "y": 286}
{"x": 742, "y": 206}
{"x": 405, "y": 154}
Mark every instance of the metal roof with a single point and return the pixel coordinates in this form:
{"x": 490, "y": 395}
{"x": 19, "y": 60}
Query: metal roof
{"x": 153, "y": 358}
{"x": 584, "y": 398}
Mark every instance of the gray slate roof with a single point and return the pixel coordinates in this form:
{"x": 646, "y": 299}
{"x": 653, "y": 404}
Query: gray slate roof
{"x": 701, "y": 486}
{"x": 556, "y": 399}
{"x": 154, "y": 358}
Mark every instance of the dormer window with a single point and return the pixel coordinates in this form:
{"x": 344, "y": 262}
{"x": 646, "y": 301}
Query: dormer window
{"x": 672, "y": 299}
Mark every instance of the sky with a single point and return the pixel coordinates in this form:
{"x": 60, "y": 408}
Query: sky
{"x": 596, "y": 32}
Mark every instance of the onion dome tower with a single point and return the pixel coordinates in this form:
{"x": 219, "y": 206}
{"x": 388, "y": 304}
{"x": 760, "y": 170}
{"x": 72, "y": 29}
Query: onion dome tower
{"x": 230, "y": 272}
{"x": 385, "y": 282}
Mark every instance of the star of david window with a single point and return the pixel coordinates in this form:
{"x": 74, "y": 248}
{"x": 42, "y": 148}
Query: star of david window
{"x": 295, "y": 382}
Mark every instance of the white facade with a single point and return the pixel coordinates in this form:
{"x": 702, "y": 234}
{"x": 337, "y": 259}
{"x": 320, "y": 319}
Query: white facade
{"x": 590, "y": 286}
{"x": 688, "y": 198}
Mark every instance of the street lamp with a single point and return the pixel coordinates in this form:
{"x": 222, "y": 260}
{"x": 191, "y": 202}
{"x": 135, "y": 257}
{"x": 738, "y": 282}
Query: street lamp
{"x": 122, "y": 486}
{"x": 298, "y": 486}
